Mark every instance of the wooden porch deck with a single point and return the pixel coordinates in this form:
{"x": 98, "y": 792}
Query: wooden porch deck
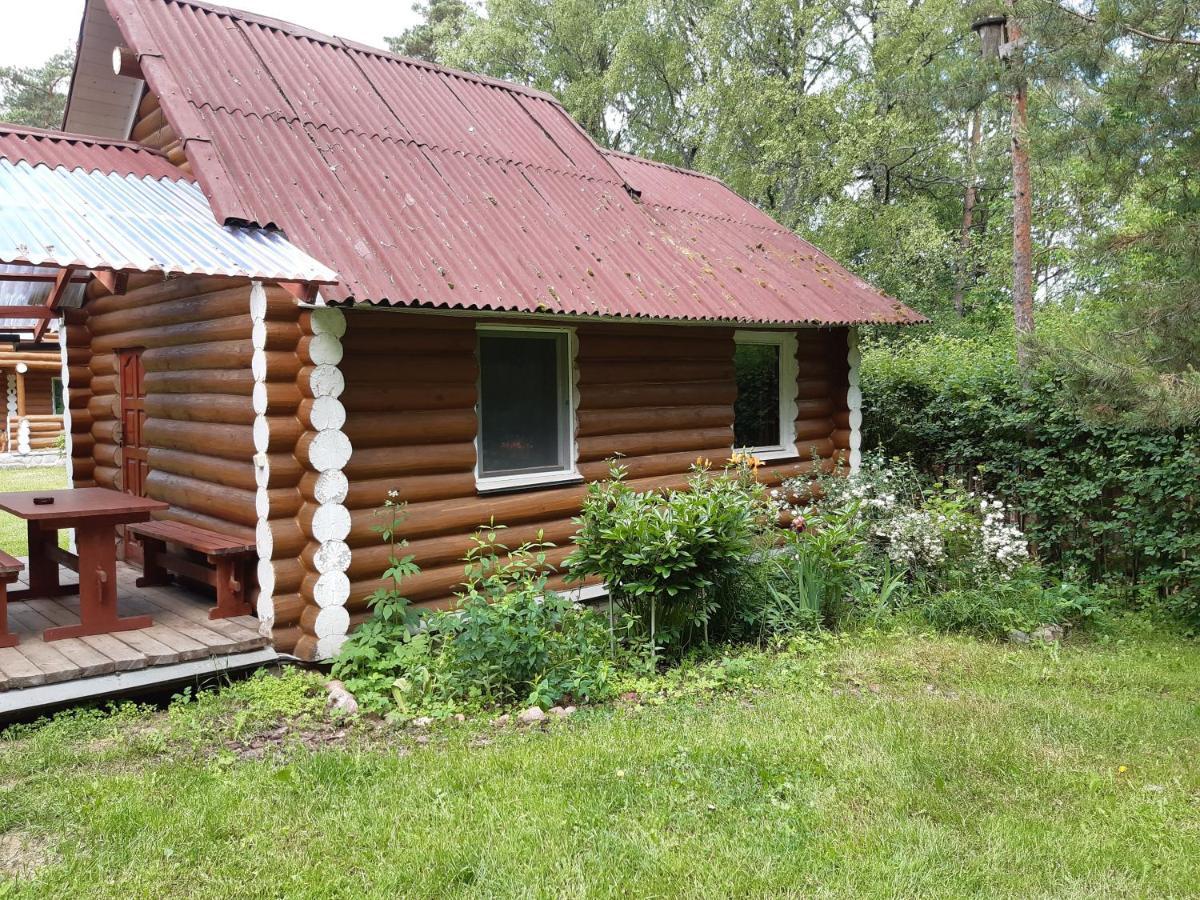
{"x": 183, "y": 643}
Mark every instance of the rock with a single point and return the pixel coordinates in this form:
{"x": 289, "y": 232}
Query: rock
{"x": 460, "y": 717}
{"x": 1047, "y": 634}
{"x": 421, "y": 722}
{"x": 501, "y": 721}
{"x": 568, "y": 710}
{"x": 531, "y": 716}
{"x": 557, "y": 711}
{"x": 1016, "y": 636}
{"x": 340, "y": 700}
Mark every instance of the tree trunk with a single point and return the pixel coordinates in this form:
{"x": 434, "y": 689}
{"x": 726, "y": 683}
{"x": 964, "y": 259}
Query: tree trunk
{"x": 970, "y": 196}
{"x": 1022, "y": 196}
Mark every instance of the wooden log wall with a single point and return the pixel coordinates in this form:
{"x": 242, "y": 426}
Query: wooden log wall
{"x": 195, "y": 335}
{"x": 150, "y": 128}
{"x": 661, "y": 396}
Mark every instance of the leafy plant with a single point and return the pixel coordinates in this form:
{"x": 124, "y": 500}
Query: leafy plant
{"x": 661, "y": 554}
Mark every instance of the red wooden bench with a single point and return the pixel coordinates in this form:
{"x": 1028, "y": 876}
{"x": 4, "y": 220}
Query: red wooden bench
{"x": 10, "y": 568}
{"x": 227, "y": 562}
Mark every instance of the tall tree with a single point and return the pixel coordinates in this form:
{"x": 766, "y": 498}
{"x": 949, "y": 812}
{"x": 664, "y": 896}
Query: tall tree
{"x": 442, "y": 24}
{"x": 36, "y": 95}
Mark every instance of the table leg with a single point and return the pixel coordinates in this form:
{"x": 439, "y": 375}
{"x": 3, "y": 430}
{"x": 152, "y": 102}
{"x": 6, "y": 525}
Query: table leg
{"x": 43, "y": 571}
{"x": 97, "y": 587}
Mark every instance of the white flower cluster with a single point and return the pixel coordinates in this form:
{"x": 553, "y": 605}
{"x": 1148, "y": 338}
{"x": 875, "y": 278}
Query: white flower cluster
{"x": 913, "y": 539}
{"x": 1001, "y": 542}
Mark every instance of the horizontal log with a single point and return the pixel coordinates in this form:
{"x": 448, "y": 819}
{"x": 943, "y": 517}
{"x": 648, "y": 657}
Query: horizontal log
{"x": 219, "y": 502}
{"x": 230, "y": 302}
{"x": 657, "y": 465}
{"x": 155, "y": 288}
{"x": 641, "y": 420}
{"x": 218, "y": 408}
{"x": 697, "y": 393}
{"x": 229, "y": 442}
{"x": 810, "y": 429}
{"x": 232, "y": 473}
{"x": 369, "y": 338}
{"x": 107, "y": 476}
{"x": 430, "y": 426}
{"x": 370, "y": 493}
{"x": 653, "y": 371}
{"x": 656, "y": 442}
{"x": 237, "y": 382}
{"x": 696, "y": 343}
{"x": 228, "y": 328}
{"x": 429, "y": 459}
{"x": 409, "y": 396}
{"x": 365, "y": 370}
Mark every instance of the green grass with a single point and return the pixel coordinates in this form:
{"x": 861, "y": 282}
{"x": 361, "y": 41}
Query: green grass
{"x": 12, "y": 529}
{"x": 902, "y": 765}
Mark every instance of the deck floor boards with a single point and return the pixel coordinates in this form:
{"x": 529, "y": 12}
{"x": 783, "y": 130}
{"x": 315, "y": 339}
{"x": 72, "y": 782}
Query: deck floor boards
{"x": 181, "y": 632}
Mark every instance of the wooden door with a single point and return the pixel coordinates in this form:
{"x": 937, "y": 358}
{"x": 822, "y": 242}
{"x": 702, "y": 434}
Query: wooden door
{"x": 134, "y": 458}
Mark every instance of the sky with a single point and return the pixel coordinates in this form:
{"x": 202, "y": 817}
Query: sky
{"x": 34, "y": 31}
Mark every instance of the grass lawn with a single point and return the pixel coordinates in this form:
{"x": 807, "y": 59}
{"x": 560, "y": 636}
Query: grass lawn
{"x": 897, "y": 765}
{"x": 12, "y": 529}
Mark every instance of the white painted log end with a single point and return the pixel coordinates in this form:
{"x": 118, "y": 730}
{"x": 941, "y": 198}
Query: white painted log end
{"x": 331, "y": 589}
{"x": 330, "y": 320}
{"x": 326, "y": 381}
{"x": 332, "y": 487}
{"x": 327, "y": 414}
{"x": 325, "y": 350}
{"x": 332, "y": 556}
{"x": 331, "y": 621}
{"x": 331, "y": 522}
{"x": 329, "y": 451}
{"x": 328, "y": 648}
{"x": 262, "y": 434}
{"x": 264, "y": 539}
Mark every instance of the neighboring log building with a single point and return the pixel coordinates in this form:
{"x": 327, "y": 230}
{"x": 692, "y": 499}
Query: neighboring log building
{"x": 513, "y": 306}
{"x": 34, "y": 400}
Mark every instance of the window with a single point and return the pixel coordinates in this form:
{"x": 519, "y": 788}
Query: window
{"x": 764, "y": 413}
{"x": 526, "y": 410}
{"x": 56, "y": 396}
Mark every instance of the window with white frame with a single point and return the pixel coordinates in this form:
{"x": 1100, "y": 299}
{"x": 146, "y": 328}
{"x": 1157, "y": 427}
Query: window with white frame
{"x": 526, "y": 413}
{"x": 764, "y": 412}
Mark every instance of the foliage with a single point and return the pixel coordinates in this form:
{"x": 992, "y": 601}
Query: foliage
{"x": 661, "y": 554}
{"x": 1106, "y": 500}
{"x": 799, "y": 586}
{"x": 442, "y": 23}
{"x": 1020, "y": 603}
{"x": 36, "y": 95}
{"x": 378, "y": 648}
{"x": 509, "y": 639}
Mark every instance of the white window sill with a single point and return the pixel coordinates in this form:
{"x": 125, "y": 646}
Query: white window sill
{"x": 502, "y": 483}
{"x": 769, "y": 454}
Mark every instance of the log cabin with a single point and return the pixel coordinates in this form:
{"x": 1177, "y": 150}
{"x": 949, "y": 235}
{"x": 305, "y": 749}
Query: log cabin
{"x": 31, "y": 374}
{"x": 511, "y": 306}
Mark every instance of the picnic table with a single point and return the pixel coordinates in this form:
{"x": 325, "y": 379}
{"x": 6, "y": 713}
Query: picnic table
{"x": 95, "y": 514}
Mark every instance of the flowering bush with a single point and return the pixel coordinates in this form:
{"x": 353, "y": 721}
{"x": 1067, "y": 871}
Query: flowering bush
{"x": 936, "y": 532}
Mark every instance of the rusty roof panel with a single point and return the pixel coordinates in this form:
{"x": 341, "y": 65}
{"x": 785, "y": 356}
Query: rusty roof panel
{"x": 77, "y": 152}
{"x": 425, "y": 186}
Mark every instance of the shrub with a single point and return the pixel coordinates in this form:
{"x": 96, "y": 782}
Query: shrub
{"x": 1020, "y": 603}
{"x": 661, "y": 554}
{"x": 1106, "y": 500}
{"x": 798, "y": 586}
{"x": 509, "y": 639}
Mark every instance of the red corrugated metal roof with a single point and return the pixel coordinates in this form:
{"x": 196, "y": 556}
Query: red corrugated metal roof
{"x": 429, "y": 187}
{"x": 75, "y": 151}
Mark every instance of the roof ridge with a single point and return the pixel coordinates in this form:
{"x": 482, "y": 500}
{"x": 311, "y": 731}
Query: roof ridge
{"x": 295, "y": 30}
{"x": 75, "y": 138}
{"x": 662, "y": 165}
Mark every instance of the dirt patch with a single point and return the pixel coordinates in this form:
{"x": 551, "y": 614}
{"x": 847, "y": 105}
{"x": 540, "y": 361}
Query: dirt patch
{"x": 22, "y": 855}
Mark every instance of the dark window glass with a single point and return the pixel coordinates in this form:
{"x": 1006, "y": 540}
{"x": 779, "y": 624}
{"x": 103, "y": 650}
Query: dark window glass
{"x": 522, "y": 408}
{"x": 756, "y": 410}
{"x": 56, "y": 396}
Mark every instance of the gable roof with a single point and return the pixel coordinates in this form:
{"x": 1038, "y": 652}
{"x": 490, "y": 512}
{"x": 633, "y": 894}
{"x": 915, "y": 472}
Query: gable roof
{"x": 424, "y": 186}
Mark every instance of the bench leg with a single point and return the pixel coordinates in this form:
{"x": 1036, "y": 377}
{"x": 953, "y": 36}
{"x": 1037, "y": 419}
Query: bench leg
{"x": 231, "y": 588}
{"x": 6, "y": 639}
{"x": 153, "y": 572}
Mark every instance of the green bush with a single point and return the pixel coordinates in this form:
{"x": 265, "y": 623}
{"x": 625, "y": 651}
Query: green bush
{"x": 805, "y": 582}
{"x": 508, "y": 640}
{"x": 1021, "y": 603}
{"x": 661, "y": 554}
{"x": 1105, "y": 500}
